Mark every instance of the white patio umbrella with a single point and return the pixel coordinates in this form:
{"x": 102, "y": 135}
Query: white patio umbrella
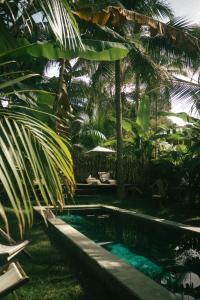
{"x": 99, "y": 149}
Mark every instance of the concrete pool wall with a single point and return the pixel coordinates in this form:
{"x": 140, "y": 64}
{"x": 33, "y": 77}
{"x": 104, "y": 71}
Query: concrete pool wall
{"x": 119, "y": 277}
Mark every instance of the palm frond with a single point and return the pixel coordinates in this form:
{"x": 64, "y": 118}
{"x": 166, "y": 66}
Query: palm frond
{"x": 181, "y": 23}
{"x": 62, "y": 22}
{"x": 143, "y": 64}
{"x": 185, "y": 91}
{"x": 16, "y": 80}
{"x": 104, "y": 72}
{"x": 93, "y": 133}
{"x": 32, "y": 155}
{"x": 19, "y": 16}
{"x": 78, "y": 93}
{"x": 184, "y": 47}
{"x": 150, "y": 8}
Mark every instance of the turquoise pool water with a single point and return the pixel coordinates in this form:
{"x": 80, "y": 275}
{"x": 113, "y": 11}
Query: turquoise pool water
{"x": 151, "y": 253}
{"x": 141, "y": 263}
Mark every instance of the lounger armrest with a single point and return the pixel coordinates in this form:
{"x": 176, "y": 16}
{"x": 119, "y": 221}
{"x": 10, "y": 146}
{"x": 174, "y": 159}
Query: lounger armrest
{"x": 9, "y": 251}
{"x": 8, "y": 238}
{"x": 12, "y": 276}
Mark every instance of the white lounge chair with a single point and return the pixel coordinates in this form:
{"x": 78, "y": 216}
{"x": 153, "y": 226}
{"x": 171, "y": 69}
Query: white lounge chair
{"x": 12, "y": 243}
{"x": 7, "y": 252}
{"x": 106, "y": 178}
{"x": 12, "y": 276}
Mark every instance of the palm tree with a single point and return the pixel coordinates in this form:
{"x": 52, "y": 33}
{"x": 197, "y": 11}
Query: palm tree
{"x": 86, "y": 131}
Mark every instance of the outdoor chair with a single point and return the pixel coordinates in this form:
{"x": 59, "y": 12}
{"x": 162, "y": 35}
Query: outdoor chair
{"x": 7, "y": 252}
{"x": 92, "y": 180}
{"x": 12, "y": 276}
{"x": 106, "y": 178}
{"x": 12, "y": 243}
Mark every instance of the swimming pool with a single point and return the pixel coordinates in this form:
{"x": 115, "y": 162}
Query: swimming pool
{"x": 164, "y": 251}
{"x": 168, "y": 257}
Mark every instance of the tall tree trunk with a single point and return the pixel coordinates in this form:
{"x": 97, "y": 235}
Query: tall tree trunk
{"x": 61, "y": 105}
{"x": 118, "y": 105}
{"x": 137, "y": 92}
{"x": 157, "y": 100}
{"x": 61, "y": 86}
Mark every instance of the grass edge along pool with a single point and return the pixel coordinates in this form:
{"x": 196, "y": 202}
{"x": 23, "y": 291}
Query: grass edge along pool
{"x": 117, "y": 275}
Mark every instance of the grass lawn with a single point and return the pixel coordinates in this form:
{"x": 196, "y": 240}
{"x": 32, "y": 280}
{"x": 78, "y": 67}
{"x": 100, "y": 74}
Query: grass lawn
{"x": 50, "y": 277}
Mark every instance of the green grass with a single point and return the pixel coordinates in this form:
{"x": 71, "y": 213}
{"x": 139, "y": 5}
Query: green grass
{"x": 50, "y": 277}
